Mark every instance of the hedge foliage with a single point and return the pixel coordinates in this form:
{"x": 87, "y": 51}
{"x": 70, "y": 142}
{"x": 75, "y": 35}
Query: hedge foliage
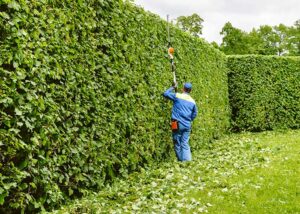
{"x": 81, "y": 96}
{"x": 264, "y": 92}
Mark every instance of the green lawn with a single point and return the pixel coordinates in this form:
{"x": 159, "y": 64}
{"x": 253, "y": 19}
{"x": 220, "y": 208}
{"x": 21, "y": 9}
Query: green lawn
{"x": 244, "y": 173}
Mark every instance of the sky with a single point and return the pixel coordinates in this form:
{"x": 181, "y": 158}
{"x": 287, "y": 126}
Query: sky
{"x": 242, "y": 14}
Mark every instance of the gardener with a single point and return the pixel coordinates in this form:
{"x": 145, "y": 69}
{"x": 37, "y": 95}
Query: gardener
{"x": 183, "y": 113}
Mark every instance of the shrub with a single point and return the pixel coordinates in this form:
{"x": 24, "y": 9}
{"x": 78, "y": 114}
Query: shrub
{"x": 81, "y": 96}
{"x": 264, "y": 92}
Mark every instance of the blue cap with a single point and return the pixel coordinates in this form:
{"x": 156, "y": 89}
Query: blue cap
{"x": 188, "y": 85}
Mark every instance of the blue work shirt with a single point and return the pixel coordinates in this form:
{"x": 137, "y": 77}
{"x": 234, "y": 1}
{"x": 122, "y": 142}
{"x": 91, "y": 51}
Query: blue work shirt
{"x": 184, "y": 107}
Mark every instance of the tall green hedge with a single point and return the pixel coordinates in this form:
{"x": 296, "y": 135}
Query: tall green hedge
{"x": 81, "y": 86}
{"x": 264, "y": 92}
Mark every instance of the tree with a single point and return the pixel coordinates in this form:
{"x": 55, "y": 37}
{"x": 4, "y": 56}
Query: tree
{"x": 266, "y": 40}
{"x": 234, "y": 40}
{"x": 269, "y": 40}
{"x": 255, "y": 43}
{"x": 215, "y": 45}
{"x": 282, "y": 44}
{"x": 191, "y": 24}
{"x": 294, "y": 39}
{"x": 297, "y": 37}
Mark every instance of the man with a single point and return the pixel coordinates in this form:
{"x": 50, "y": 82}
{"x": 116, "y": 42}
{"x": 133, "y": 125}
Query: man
{"x": 183, "y": 113}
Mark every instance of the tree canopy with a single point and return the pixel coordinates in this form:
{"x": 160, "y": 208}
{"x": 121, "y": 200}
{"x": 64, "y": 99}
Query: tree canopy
{"x": 191, "y": 24}
{"x": 266, "y": 40}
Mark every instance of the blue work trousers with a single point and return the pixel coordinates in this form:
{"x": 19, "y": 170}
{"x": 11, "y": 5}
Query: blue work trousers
{"x": 181, "y": 144}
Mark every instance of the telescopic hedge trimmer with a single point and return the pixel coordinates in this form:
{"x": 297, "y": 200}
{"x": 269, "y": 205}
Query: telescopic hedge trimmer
{"x": 171, "y": 55}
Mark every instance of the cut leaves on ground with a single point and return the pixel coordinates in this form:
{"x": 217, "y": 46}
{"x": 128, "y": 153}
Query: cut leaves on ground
{"x": 241, "y": 173}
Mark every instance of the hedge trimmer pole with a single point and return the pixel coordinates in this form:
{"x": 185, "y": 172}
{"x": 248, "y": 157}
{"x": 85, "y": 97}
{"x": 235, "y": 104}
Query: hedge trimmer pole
{"x": 171, "y": 55}
{"x": 169, "y": 40}
{"x": 171, "y": 52}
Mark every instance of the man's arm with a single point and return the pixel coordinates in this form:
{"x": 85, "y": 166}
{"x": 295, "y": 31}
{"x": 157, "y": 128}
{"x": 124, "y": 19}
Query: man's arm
{"x": 169, "y": 94}
{"x": 195, "y": 112}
